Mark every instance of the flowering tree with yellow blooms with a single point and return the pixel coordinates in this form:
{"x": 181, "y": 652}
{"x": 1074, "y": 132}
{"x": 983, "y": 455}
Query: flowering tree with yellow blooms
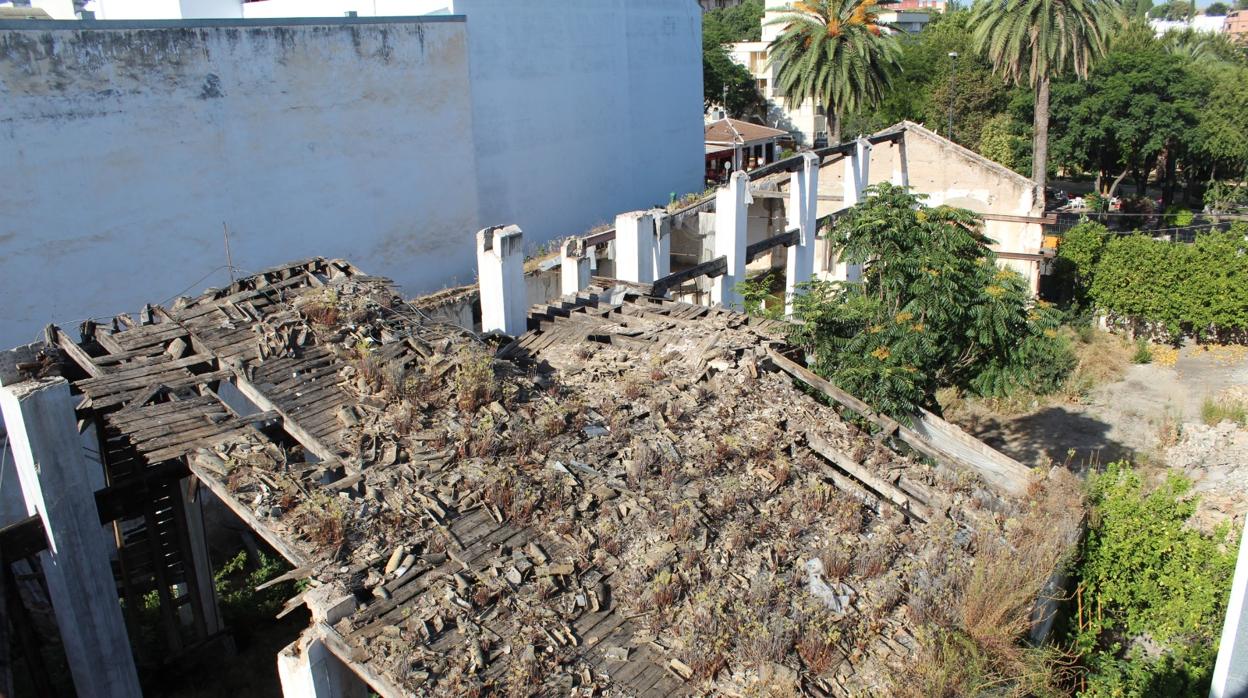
{"x": 836, "y": 53}
{"x": 932, "y": 309}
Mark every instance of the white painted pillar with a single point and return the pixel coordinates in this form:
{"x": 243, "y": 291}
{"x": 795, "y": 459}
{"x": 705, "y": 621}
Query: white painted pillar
{"x": 901, "y": 164}
{"x": 634, "y": 247}
{"x": 1230, "y": 671}
{"x": 803, "y": 214}
{"x": 857, "y": 177}
{"x": 56, "y": 485}
{"x": 307, "y": 669}
{"x": 500, "y": 276}
{"x": 662, "y": 259}
{"x": 574, "y": 263}
{"x": 732, "y": 202}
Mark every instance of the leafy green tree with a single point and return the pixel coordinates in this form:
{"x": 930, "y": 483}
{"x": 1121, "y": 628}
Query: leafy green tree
{"x": 835, "y": 53}
{"x": 1221, "y": 136}
{"x": 1077, "y": 256}
{"x": 719, "y": 28}
{"x": 932, "y": 310}
{"x": 1217, "y": 9}
{"x": 1034, "y": 41}
{"x": 730, "y": 24}
{"x": 1000, "y": 142}
{"x": 1145, "y": 574}
{"x": 1137, "y": 104}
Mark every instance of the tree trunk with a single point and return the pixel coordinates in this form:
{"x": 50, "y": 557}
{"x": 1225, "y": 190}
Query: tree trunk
{"x": 1040, "y": 141}
{"x": 834, "y": 136}
{"x": 1167, "y": 193}
{"x": 1113, "y": 188}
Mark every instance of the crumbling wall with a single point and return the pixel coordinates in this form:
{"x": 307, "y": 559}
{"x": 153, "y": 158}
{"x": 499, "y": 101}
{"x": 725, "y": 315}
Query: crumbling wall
{"x": 128, "y": 145}
{"x": 947, "y": 173}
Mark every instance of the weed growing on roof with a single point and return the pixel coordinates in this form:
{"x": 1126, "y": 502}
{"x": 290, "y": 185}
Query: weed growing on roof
{"x": 322, "y": 520}
{"x": 474, "y": 383}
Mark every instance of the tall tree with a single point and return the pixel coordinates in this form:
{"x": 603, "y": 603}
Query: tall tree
{"x": 836, "y": 53}
{"x": 1034, "y": 41}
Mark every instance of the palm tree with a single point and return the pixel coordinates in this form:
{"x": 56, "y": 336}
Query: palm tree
{"x": 835, "y": 53}
{"x": 1035, "y": 40}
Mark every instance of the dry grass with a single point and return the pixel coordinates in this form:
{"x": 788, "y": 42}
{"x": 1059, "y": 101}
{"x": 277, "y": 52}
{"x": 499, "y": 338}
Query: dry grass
{"x": 1101, "y": 358}
{"x": 475, "y": 383}
{"x": 1216, "y": 410}
{"x": 322, "y": 520}
{"x": 1011, "y": 571}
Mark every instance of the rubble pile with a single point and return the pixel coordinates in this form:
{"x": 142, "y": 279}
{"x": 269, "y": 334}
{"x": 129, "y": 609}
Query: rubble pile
{"x": 603, "y": 517}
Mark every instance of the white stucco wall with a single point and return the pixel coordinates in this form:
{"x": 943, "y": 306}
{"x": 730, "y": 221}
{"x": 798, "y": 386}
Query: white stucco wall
{"x": 126, "y": 149}
{"x": 583, "y": 110}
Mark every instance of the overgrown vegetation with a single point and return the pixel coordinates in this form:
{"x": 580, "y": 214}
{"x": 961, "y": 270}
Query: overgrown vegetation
{"x": 1152, "y": 590}
{"x": 932, "y": 310}
{"x": 974, "y": 642}
{"x": 1161, "y": 288}
{"x": 1217, "y": 410}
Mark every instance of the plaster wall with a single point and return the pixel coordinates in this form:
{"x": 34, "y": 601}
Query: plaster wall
{"x": 583, "y": 109}
{"x": 128, "y": 146}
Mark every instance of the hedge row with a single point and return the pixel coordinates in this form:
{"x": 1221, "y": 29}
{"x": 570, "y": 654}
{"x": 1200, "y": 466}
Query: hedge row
{"x": 1198, "y": 289}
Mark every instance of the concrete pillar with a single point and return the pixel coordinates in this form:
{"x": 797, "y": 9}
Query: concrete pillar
{"x": 574, "y": 267}
{"x": 901, "y": 164}
{"x": 307, "y": 669}
{"x": 500, "y": 276}
{"x": 732, "y": 203}
{"x": 803, "y": 214}
{"x": 662, "y": 258}
{"x": 857, "y": 177}
{"x": 635, "y": 247}
{"x": 55, "y": 483}
{"x": 1230, "y": 671}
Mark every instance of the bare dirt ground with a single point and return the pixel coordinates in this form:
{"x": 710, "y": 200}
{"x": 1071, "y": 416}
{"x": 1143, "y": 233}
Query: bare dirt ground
{"x": 1140, "y": 417}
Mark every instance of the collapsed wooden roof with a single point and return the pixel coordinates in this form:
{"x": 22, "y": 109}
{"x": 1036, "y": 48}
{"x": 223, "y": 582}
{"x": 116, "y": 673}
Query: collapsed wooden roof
{"x": 636, "y": 497}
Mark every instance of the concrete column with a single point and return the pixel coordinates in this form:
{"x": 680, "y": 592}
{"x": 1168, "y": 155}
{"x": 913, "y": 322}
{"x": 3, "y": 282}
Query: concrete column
{"x": 574, "y": 265}
{"x": 662, "y": 258}
{"x": 901, "y": 164}
{"x": 1230, "y": 671}
{"x": 634, "y": 247}
{"x": 732, "y": 203}
{"x": 803, "y": 214}
{"x": 307, "y": 669}
{"x": 857, "y": 177}
{"x": 500, "y": 276}
{"x": 55, "y": 483}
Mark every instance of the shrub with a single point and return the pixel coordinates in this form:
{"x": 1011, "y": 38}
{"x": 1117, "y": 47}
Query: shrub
{"x": 932, "y": 310}
{"x": 1199, "y": 289}
{"x": 1143, "y": 353}
{"x": 1147, "y": 576}
{"x": 1077, "y": 255}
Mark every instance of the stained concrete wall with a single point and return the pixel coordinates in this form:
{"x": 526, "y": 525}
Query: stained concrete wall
{"x": 947, "y": 173}
{"x": 128, "y": 145}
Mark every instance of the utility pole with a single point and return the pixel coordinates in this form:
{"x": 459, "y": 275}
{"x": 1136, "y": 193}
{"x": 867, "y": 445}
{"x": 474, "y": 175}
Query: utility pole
{"x": 953, "y": 76}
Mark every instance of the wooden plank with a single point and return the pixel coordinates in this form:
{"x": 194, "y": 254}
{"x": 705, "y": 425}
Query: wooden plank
{"x": 75, "y": 352}
{"x": 377, "y": 681}
{"x": 292, "y": 427}
{"x": 188, "y": 380}
{"x": 909, "y": 506}
{"x": 22, "y": 539}
{"x": 828, "y": 388}
{"x": 715, "y": 267}
{"x": 762, "y": 247}
{"x": 294, "y": 556}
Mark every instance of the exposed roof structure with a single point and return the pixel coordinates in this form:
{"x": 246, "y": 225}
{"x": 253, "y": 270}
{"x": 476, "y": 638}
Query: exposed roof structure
{"x": 636, "y": 497}
{"x": 736, "y": 131}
